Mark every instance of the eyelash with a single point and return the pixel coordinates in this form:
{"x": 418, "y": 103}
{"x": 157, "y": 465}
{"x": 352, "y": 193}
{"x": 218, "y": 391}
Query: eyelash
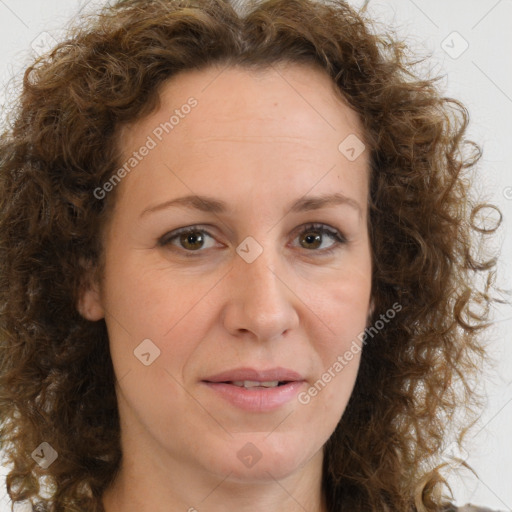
{"x": 334, "y": 234}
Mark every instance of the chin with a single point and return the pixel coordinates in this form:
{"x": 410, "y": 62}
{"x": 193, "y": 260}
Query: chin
{"x": 257, "y": 457}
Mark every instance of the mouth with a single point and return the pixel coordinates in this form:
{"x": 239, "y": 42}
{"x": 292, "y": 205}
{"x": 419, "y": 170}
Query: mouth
{"x": 250, "y": 377}
{"x": 251, "y": 384}
{"x": 256, "y": 391}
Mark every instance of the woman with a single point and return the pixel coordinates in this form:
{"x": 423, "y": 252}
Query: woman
{"x": 237, "y": 266}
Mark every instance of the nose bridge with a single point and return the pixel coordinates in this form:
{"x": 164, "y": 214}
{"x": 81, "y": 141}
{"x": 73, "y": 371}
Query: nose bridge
{"x": 261, "y": 275}
{"x": 260, "y": 301}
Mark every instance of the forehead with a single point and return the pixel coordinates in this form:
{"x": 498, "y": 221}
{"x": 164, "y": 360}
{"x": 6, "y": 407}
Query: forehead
{"x": 296, "y": 100}
{"x": 279, "y": 127}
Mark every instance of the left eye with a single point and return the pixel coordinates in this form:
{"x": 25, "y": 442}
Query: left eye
{"x": 192, "y": 238}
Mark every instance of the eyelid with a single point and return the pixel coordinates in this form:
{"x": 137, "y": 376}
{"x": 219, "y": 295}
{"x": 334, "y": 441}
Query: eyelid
{"x": 171, "y": 235}
{"x": 335, "y": 234}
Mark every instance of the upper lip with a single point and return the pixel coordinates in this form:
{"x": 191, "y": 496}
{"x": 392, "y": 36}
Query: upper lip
{"x": 272, "y": 374}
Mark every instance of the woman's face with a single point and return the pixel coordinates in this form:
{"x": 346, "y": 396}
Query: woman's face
{"x": 253, "y": 292}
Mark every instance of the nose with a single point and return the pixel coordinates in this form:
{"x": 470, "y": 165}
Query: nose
{"x": 261, "y": 301}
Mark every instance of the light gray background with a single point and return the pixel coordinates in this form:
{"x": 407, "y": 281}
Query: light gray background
{"x": 481, "y": 77}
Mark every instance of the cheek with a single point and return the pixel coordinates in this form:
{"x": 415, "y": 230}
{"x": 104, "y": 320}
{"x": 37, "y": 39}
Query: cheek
{"x": 150, "y": 299}
{"x": 340, "y": 310}
{"x": 337, "y": 339}
{"x": 169, "y": 310}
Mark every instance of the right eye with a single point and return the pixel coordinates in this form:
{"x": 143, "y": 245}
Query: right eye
{"x": 190, "y": 239}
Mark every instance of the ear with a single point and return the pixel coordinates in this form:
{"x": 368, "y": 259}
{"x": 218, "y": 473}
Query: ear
{"x": 89, "y": 302}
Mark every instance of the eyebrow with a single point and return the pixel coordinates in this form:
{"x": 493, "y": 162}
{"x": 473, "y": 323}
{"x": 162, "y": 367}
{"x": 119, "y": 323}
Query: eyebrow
{"x": 212, "y": 205}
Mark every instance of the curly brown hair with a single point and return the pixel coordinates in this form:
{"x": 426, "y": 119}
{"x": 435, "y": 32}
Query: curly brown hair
{"x": 61, "y": 143}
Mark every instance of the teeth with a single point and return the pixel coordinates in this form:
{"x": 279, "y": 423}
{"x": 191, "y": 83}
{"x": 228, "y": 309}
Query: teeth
{"x": 255, "y": 384}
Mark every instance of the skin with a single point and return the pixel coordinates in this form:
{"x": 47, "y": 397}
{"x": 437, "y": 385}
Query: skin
{"x": 258, "y": 140}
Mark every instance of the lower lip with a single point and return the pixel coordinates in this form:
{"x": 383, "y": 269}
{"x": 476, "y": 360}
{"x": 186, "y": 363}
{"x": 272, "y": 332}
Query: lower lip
{"x": 257, "y": 399}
